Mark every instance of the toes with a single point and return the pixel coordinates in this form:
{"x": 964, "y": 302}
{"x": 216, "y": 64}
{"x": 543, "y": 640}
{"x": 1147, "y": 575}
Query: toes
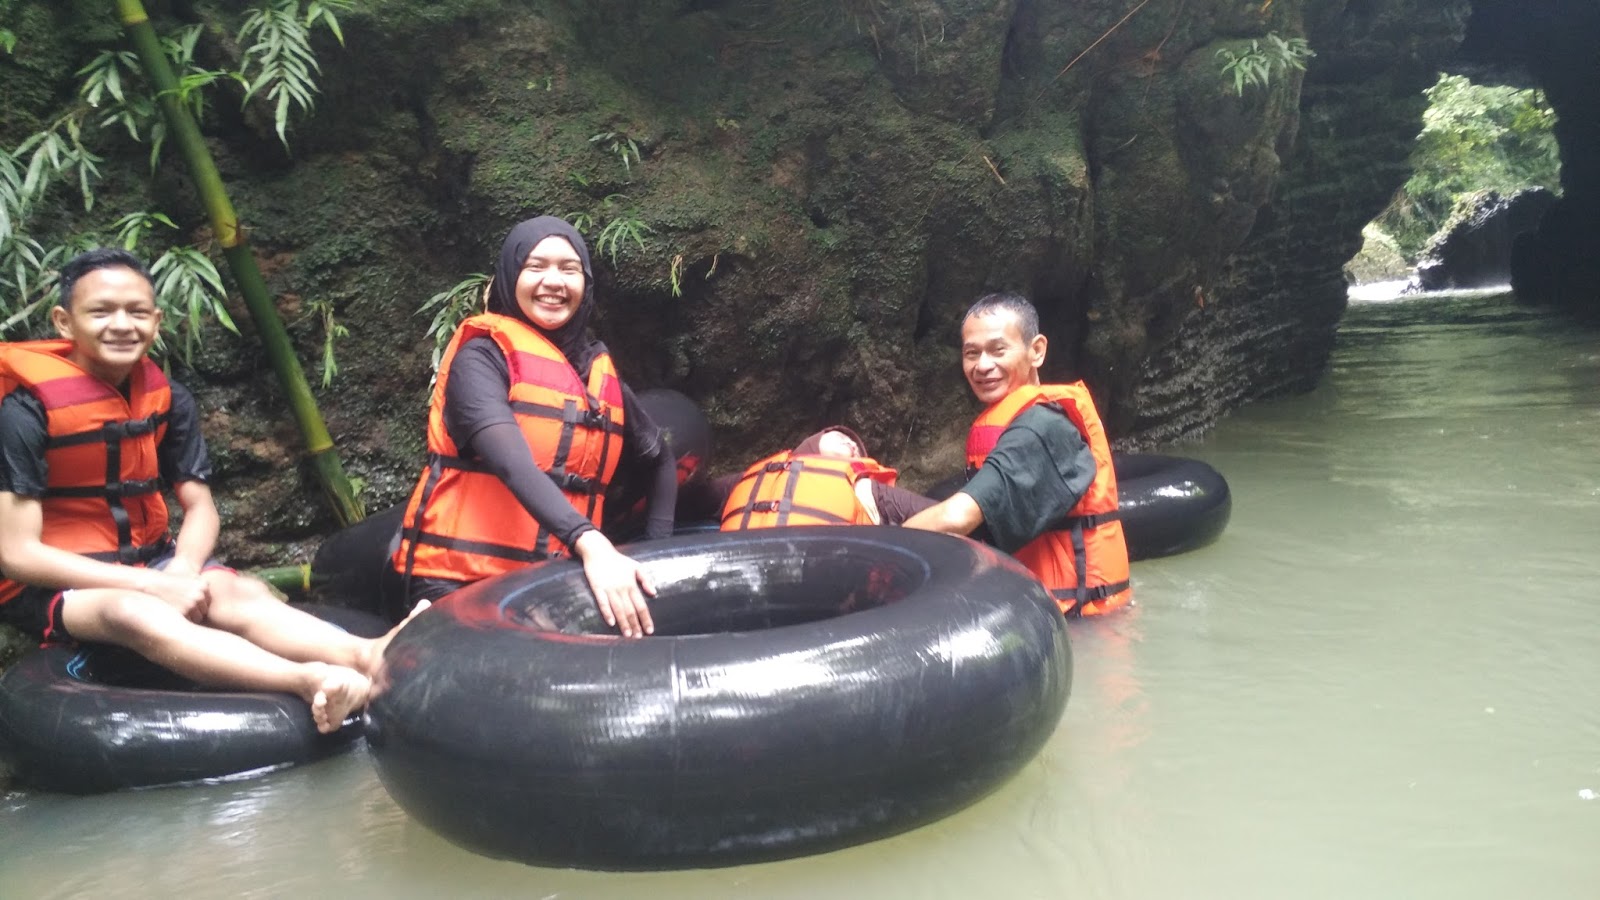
{"x": 343, "y": 692}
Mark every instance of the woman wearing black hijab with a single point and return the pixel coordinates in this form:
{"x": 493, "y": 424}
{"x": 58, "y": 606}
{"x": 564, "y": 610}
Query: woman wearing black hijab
{"x": 528, "y": 425}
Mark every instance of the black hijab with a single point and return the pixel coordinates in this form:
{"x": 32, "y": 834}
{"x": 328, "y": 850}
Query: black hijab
{"x": 572, "y": 339}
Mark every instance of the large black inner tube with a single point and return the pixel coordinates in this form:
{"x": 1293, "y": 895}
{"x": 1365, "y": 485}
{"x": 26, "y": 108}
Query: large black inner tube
{"x": 1169, "y": 504}
{"x": 807, "y": 688}
{"x": 91, "y": 718}
{"x": 352, "y": 565}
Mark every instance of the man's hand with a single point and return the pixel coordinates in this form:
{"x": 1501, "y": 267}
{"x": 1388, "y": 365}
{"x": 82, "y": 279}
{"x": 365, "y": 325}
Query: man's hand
{"x": 187, "y": 593}
{"x": 619, "y": 583}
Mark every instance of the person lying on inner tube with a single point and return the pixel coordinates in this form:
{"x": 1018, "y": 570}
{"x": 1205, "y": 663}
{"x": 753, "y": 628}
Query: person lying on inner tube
{"x": 826, "y": 480}
{"x": 528, "y": 424}
{"x": 88, "y": 556}
{"x": 1039, "y": 473}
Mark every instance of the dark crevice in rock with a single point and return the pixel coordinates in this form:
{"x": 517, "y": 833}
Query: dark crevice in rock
{"x": 1554, "y": 43}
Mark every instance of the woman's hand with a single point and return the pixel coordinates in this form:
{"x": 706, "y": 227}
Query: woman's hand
{"x": 619, "y": 583}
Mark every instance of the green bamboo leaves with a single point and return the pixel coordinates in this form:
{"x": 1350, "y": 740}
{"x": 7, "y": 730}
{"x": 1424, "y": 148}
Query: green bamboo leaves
{"x": 279, "y": 63}
{"x": 451, "y": 306}
{"x": 188, "y": 290}
{"x": 341, "y": 492}
{"x": 27, "y": 173}
{"x": 114, "y": 94}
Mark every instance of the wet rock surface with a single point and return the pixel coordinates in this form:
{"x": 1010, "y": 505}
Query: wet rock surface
{"x": 1474, "y": 248}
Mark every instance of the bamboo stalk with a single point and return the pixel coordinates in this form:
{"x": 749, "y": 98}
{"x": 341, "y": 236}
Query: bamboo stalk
{"x": 225, "y": 224}
{"x": 289, "y": 579}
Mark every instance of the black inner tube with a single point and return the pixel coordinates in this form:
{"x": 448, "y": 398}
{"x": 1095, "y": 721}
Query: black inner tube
{"x": 744, "y": 590}
{"x": 91, "y": 718}
{"x": 806, "y": 689}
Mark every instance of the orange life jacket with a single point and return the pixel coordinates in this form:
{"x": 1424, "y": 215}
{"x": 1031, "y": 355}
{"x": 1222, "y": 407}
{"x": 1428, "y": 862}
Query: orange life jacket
{"x": 790, "y": 489}
{"x": 462, "y": 522}
{"x": 1090, "y": 540}
{"x": 102, "y": 494}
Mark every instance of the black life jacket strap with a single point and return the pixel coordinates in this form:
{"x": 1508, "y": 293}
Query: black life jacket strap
{"x": 566, "y": 481}
{"x": 110, "y": 432}
{"x": 119, "y": 489}
{"x": 569, "y": 414}
{"x": 137, "y": 555}
{"x": 480, "y": 548}
{"x": 1093, "y": 521}
{"x": 413, "y": 529}
{"x": 1089, "y": 595}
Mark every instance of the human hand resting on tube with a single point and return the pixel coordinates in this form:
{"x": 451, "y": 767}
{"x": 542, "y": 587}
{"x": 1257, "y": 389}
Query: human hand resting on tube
{"x": 619, "y": 583}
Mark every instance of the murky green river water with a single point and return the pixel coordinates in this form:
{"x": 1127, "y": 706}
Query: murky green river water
{"x": 1383, "y": 682}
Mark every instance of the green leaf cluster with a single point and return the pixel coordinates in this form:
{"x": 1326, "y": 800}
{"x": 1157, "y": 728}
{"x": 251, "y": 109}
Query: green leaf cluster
{"x": 618, "y": 143}
{"x": 1257, "y": 64}
{"x": 279, "y": 63}
{"x": 618, "y": 226}
{"x": 1474, "y": 138}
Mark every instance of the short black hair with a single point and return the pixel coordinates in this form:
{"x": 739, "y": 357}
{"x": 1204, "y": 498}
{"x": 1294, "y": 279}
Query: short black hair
{"x": 90, "y": 260}
{"x": 1016, "y": 304}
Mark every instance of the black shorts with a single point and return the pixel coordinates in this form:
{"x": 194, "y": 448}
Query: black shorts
{"x": 37, "y": 611}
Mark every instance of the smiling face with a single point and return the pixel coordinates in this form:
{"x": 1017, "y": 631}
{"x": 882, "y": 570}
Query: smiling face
{"x": 995, "y": 357}
{"x": 550, "y": 286}
{"x": 111, "y": 319}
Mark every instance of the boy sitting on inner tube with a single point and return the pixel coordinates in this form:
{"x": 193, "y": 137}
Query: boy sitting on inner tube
{"x": 90, "y": 432}
{"x": 1039, "y": 470}
{"x": 826, "y": 480}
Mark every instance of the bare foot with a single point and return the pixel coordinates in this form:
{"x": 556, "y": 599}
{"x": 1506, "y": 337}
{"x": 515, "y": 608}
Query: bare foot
{"x": 372, "y": 658}
{"x": 342, "y": 692}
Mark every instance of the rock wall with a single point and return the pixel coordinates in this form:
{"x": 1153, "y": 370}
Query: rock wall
{"x": 831, "y": 182}
{"x": 1473, "y": 249}
{"x": 1552, "y": 44}
{"x": 1266, "y": 325}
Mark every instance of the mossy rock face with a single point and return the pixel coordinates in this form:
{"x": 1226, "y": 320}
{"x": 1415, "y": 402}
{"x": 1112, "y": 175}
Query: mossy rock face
{"x": 1378, "y": 260}
{"x": 818, "y": 191}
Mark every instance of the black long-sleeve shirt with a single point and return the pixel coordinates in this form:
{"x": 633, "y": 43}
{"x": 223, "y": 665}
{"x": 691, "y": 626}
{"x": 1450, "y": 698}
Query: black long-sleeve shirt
{"x": 478, "y": 418}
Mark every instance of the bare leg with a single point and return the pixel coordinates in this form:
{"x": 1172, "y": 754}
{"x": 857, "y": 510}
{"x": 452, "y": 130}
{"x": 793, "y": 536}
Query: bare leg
{"x": 212, "y": 657}
{"x": 246, "y": 607}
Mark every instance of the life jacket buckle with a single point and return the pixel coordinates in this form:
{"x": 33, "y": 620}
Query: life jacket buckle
{"x": 574, "y": 483}
{"x": 131, "y": 428}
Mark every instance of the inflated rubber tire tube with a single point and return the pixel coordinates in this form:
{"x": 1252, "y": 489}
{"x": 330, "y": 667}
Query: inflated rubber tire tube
{"x": 91, "y": 718}
{"x": 1169, "y": 504}
{"x": 807, "y": 689}
{"x": 352, "y": 565}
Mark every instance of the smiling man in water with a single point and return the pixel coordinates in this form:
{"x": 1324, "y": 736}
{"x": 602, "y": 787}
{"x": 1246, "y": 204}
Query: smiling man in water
{"x": 1039, "y": 471}
{"x": 90, "y": 432}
